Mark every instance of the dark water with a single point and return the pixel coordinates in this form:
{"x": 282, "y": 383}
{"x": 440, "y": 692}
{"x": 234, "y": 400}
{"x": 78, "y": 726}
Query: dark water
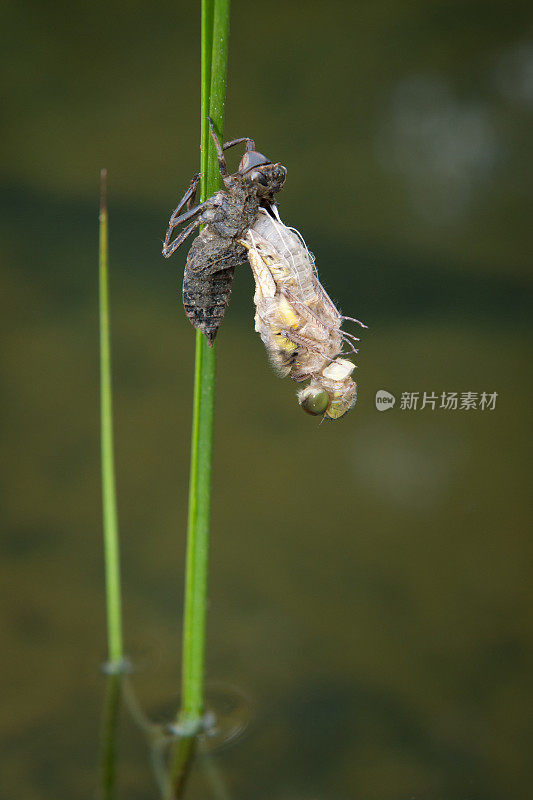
{"x": 370, "y": 580}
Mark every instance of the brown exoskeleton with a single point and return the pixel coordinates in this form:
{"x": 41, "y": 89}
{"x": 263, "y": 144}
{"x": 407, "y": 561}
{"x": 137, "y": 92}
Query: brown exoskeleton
{"x": 227, "y": 215}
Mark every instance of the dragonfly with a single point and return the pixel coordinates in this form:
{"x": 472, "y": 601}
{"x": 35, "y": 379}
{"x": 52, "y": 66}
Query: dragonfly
{"x": 298, "y": 322}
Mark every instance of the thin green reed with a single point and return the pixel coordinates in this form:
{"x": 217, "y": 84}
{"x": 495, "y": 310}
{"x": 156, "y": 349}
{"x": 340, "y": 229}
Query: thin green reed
{"x": 109, "y": 501}
{"x": 214, "y": 56}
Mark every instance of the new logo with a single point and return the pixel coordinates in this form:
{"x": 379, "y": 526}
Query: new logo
{"x": 384, "y": 400}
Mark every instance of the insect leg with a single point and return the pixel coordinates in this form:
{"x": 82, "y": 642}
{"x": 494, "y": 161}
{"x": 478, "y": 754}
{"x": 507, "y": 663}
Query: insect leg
{"x": 350, "y": 336}
{"x": 223, "y": 169}
{"x": 250, "y": 144}
{"x": 352, "y": 319}
{"x": 177, "y": 218}
{"x": 171, "y": 247}
{"x": 188, "y": 198}
{"x": 175, "y": 221}
{"x": 351, "y": 346}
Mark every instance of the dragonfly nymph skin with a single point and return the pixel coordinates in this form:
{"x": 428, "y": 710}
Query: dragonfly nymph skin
{"x": 226, "y": 215}
{"x": 298, "y": 322}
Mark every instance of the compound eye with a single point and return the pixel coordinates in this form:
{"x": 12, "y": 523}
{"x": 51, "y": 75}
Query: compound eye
{"x": 258, "y": 177}
{"x": 314, "y": 401}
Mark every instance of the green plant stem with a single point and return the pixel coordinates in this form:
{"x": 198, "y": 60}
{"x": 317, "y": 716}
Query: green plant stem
{"x": 109, "y": 503}
{"x": 108, "y": 757}
{"x": 215, "y": 30}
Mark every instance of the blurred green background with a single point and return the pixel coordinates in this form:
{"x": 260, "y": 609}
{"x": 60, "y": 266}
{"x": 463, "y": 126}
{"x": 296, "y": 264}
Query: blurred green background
{"x": 370, "y": 582}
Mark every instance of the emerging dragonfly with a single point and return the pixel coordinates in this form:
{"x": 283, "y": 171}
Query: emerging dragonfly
{"x": 227, "y": 215}
{"x": 297, "y": 320}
